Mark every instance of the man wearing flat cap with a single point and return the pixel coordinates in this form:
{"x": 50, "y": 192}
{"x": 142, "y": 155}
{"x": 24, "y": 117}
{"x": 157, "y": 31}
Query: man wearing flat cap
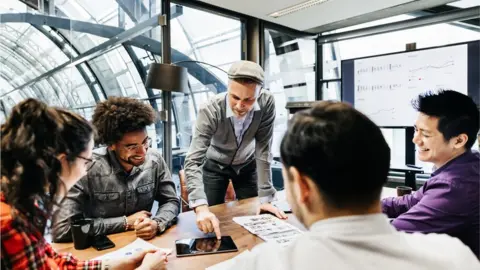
{"x": 232, "y": 141}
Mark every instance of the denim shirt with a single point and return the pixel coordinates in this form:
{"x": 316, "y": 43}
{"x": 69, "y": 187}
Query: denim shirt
{"x": 107, "y": 194}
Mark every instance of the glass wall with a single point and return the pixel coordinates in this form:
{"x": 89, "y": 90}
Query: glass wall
{"x": 289, "y": 75}
{"x": 207, "y": 49}
{"x": 212, "y": 46}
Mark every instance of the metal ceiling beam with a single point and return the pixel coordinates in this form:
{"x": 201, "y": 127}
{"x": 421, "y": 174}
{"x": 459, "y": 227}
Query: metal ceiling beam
{"x": 452, "y": 16}
{"x": 386, "y": 12}
{"x": 105, "y": 31}
{"x": 131, "y": 8}
{"x": 102, "y": 48}
{"x": 61, "y": 46}
{"x": 471, "y": 24}
{"x": 100, "y": 30}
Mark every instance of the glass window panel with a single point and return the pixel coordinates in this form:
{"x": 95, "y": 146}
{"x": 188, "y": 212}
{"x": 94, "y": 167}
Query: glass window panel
{"x": 116, "y": 62}
{"x": 215, "y": 41}
{"x": 464, "y": 3}
{"x": 5, "y": 85}
{"x": 7, "y": 6}
{"x": 331, "y": 90}
{"x": 221, "y": 53}
{"x": 84, "y": 95}
{"x": 212, "y": 24}
{"x": 179, "y": 37}
{"x": 98, "y": 9}
{"x": 3, "y": 118}
{"x": 289, "y": 75}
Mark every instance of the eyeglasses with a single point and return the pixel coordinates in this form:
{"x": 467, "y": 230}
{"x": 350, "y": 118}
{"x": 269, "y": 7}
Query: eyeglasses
{"x": 89, "y": 162}
{"x": 147, "y": 144}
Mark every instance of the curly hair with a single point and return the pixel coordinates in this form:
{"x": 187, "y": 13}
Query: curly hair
{"x": 32, "y": 137}
{"x": 116, "y": 116}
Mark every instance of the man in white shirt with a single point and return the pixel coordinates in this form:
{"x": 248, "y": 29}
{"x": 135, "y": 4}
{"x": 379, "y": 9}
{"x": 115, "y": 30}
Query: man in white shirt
{"x": 335, "y": 163}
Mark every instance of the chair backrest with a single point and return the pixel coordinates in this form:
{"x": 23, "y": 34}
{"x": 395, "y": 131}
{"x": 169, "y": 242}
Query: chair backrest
{"x": 183, "y": 191}
{"x": 230, "y": 195}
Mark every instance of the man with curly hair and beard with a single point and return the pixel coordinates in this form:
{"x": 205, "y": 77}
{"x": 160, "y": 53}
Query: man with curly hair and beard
{"x": 125, "y": 179}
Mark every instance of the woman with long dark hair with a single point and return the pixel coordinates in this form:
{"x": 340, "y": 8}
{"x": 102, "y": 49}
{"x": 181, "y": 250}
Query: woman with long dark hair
{"x": 45, "y": 151}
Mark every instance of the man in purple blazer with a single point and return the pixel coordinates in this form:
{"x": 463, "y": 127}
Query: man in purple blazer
{"x": 445, "y": 131}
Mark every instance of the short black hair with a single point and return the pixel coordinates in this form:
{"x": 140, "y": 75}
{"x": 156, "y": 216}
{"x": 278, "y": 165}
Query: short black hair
{"x": 117, "y": 116}
{"x": 457, "y": 113}
{"x": 341, "y": 150}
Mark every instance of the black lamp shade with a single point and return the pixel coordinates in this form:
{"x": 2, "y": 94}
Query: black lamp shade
{"x": 167, "y": 77}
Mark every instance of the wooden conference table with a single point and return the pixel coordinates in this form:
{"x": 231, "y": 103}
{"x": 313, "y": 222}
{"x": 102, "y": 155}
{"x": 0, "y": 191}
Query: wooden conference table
{"x": 186, "y": 228}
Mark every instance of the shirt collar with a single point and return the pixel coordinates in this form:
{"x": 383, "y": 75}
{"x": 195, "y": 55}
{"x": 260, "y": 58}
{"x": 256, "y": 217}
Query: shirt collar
{"x": 229, "y": 112}
{"x": 354, "y": 225}
{"x": 454, "y": 161}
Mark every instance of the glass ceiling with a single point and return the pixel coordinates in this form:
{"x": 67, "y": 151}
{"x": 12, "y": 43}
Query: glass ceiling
{"x": 27, "y": 52}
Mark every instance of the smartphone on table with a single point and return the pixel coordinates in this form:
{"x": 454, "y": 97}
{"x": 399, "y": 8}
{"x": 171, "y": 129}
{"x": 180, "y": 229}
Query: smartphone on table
{"x": 101, "y": 242}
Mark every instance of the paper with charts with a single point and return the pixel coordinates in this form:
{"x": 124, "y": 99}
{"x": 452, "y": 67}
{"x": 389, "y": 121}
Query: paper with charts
{"x": 135, "y": 246}
{"x": 269, "y": 228}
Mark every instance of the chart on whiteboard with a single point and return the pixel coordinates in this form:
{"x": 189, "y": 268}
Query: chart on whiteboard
{"x": 386, "y": 85}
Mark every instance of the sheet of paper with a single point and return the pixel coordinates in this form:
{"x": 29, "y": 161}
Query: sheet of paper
{"x": 264, "y": 224}
{"x": 269, "y": 228}
{"x": 282, "y": 238}
{"x": 135, "y": 246}
{"x": 229, "y": 264}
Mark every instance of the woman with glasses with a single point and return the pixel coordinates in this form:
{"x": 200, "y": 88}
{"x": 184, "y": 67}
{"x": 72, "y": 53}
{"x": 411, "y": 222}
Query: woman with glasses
{"x": 45, "y": 151}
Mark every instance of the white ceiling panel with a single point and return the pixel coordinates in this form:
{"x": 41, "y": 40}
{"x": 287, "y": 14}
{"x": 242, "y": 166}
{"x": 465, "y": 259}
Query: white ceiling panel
{"x": 328, "y": 15}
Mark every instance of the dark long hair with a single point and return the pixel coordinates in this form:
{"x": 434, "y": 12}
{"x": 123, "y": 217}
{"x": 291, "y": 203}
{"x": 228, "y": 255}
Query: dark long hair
{"x": 32, "y": 138}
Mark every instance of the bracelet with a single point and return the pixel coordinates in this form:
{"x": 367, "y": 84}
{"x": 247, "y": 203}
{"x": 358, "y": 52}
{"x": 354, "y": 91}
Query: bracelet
{"x": 160, "y": 227}
{"x": 126, "y": 223}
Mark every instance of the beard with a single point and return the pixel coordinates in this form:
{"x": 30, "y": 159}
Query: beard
{"x": 133, "y": 161}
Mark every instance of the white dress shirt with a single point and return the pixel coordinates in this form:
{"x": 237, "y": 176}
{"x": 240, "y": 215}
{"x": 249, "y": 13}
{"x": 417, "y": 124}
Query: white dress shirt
{"x": 365, "y": 242}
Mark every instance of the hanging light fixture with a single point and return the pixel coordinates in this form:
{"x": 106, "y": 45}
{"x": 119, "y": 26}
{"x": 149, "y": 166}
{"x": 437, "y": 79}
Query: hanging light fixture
{"x": 167, "y": 77}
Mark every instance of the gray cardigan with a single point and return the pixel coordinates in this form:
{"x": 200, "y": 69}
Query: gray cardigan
{"x": 214, "y": 138}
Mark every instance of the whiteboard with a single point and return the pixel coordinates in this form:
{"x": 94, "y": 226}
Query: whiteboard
{"x": 386, "y": 85}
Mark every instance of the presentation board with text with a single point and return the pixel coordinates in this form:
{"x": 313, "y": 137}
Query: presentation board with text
{"x": 383, "y": 87}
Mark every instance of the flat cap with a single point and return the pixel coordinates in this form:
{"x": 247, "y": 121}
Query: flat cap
{"x": 246, "y": 70}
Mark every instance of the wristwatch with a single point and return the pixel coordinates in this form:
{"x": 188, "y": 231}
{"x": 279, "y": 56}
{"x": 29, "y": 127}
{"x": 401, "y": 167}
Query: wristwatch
{"x": 160, "y": 226}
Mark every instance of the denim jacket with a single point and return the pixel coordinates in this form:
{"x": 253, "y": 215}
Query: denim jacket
{"x": 107, "y": 194}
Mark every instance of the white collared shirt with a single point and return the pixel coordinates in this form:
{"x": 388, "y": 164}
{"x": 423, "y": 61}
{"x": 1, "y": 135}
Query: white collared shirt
{"x": 240, "y": 124}
{"x": 366, "y": 242}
